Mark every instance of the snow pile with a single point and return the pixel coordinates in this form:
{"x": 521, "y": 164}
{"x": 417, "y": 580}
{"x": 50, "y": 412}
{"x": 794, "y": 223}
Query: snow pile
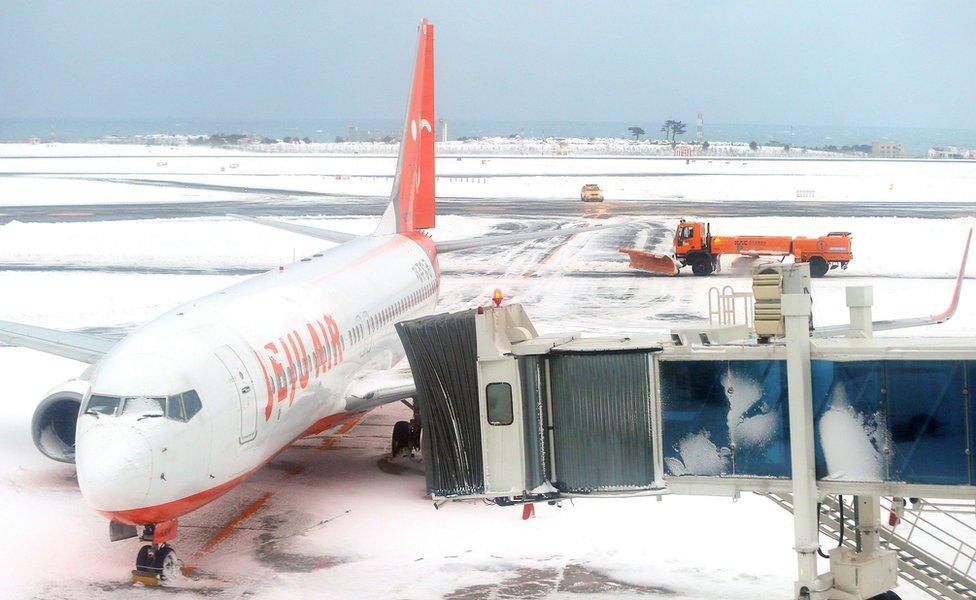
{"x": 699, "y": 456}
{"x": 745, "y": 395}
{"x": 850, "y": 444}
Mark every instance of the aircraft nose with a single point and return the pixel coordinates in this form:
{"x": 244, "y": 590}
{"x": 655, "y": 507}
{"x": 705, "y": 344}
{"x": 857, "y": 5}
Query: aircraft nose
{"x": 114, "y": 465}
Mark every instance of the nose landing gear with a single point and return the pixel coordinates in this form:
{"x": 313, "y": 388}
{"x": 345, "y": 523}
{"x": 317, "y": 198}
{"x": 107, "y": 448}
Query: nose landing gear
{"x": 156, "y": 561}
{"x": 405, "y": 440}
{"x": 154, "y": 564}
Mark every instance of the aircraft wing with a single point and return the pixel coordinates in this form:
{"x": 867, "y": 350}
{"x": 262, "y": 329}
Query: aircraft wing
{"x": 889, "y": 324}
{"x": 492, "y": 240}
{"x": 316, "y": 232}
{"x": 69, "y": 344}
{"x": 379, "y": 387}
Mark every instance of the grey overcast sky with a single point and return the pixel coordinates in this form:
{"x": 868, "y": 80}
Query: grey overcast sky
{"x": 889, "y": 63}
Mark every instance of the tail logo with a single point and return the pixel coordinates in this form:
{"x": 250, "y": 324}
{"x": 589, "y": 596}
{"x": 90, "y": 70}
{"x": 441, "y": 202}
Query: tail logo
{"x": 424, "y": 124}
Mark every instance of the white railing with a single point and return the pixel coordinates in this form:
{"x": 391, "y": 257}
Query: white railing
{"x": 729, "y": 307}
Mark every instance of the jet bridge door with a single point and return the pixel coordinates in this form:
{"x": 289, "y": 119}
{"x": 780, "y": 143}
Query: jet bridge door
{"x": 501, "y": 426}
{"x": 245, "y": 391}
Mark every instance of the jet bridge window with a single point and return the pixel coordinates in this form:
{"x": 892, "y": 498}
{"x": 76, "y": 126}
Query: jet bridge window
{"x": 102, "y": 405}
{"x": 498, "y": 397}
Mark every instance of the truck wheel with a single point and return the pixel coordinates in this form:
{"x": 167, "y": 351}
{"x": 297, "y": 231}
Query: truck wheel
{"x": 818, "y": 267}
{"x": 702, "y": 265}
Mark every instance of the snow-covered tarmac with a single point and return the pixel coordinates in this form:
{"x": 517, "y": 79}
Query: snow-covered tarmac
{"x": 332, "y": 518}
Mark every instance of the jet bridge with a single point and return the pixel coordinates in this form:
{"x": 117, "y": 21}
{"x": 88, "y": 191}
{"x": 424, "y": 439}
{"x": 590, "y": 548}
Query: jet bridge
{"x": 514, "y": 416}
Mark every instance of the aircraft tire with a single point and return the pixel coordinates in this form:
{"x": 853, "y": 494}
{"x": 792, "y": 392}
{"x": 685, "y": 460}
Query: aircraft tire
{"x": 143, "y": 562}
{"x": 401, "y": 438}
{"x": 166, "y": 563}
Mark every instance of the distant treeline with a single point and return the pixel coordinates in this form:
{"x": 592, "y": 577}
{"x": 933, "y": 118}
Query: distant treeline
{"x": 236, "y": 139}
{"x": 856, "y": 148}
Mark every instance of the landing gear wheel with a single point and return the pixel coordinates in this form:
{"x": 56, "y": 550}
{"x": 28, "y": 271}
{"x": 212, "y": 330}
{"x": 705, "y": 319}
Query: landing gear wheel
{"x": 401, "y": 439}
{"x": 415, "y": 431}
{"x": 818, "y": 267}
{"x": 166, "y": 564}
{"x": 145, "y": 560}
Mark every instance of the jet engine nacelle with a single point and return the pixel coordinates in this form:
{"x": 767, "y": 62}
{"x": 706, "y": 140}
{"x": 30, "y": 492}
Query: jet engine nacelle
{"x": 55, "y": 419}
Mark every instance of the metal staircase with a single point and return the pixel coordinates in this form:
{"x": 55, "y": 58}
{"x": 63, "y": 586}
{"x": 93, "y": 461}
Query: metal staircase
{"x": 935, "y": 546}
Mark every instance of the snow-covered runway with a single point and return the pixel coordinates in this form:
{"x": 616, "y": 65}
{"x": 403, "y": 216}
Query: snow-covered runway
{"x": 330, "y": 517}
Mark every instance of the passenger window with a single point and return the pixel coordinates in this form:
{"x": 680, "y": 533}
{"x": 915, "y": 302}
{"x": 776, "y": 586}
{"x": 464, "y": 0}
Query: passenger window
{"x": 191, "y": 404}
{"x": 498, "y": 397}
{"x": 174, "y": 408}
{"x": 103, "y": 405}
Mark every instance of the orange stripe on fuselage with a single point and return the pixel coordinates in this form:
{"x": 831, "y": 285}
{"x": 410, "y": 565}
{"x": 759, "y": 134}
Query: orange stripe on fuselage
{"x": 178, "y": 508}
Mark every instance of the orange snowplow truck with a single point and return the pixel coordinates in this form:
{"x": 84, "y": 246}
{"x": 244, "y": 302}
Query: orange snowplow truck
{"x": 695, "y": 246}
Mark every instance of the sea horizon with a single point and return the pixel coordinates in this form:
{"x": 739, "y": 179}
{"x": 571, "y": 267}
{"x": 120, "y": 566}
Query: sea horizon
{"x": 917, "y": 139}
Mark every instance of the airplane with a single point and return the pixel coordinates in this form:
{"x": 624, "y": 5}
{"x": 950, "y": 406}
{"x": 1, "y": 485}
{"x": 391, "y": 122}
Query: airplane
{"x": 189, "y": 405}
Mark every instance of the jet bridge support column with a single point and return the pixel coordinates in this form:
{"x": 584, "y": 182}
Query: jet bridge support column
{"x": 795, "y": 308}
{"x": 859, "y": 301}
{"x": 868, "y": 508}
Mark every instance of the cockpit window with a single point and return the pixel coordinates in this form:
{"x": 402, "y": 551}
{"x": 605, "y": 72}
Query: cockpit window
{"x": 178, "y": 407}
{"x": 145, "y": 406}
{"x": 174, "y": 408}
{"x": 191, "y": 403}
{"x": 182, "y": 407}
{"x": 102, "y": 405}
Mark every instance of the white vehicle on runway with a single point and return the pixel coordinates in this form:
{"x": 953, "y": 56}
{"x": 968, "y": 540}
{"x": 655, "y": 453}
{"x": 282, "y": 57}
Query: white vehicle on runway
{"x": 189, "y": 405}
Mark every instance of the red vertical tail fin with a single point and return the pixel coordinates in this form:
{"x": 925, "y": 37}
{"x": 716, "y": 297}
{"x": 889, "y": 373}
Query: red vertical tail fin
{"x": 412, "y": 199}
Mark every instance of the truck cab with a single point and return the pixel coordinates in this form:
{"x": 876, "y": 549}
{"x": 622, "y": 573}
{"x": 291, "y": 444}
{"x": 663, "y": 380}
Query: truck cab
{"x": 692, "y": 241}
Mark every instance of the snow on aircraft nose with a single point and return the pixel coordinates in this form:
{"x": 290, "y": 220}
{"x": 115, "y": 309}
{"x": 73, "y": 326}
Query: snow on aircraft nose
{"x": 114, "y": 464}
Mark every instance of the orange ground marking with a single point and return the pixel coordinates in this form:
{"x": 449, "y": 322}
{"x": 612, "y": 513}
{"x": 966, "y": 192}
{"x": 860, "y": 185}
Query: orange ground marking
{"x": 343, "y": 430}
{"x": 227, "y": 530}
{"x": 231, "y": 527}
{"x": 553, "y": 252}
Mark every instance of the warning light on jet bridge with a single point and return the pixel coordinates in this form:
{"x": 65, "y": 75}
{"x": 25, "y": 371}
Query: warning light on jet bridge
{"x": 497, "y": 297}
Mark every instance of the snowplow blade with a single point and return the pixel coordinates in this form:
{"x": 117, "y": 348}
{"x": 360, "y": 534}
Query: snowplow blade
{"x": 662, "y": 264}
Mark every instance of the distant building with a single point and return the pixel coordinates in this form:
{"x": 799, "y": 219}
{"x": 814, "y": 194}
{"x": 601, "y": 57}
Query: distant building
{"x": 888, "y": 149}
{"x": 684, "y": 150}
{"x": 951, "y": 152}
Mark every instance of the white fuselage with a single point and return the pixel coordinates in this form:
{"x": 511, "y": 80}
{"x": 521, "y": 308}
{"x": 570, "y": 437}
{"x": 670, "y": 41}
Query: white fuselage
{"x": 270, "y": 360}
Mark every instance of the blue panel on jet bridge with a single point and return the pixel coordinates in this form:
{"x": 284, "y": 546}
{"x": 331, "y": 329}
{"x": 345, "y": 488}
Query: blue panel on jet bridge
{"x": 881, "y": 420}
{"x": 849, "y": 422}
{"x": 725, "y": 418}
{"x": 894, "y": 420}
{"x": 927, "y": 421}
{"x": 971, "y": 411}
